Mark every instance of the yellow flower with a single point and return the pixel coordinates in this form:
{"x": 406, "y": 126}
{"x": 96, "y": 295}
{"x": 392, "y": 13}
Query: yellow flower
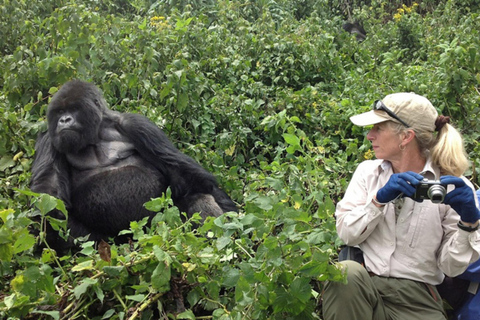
{"x": 230, "y": 151}
{"x": 157, "y": 18}
{"x": 369, "y": 154}
{"x": 159, "y": 22}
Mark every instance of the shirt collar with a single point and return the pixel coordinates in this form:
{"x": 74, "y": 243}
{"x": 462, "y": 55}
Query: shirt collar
{"x": 430, "y": 171}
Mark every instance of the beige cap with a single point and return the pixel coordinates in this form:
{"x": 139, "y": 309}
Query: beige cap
{"x": 417, "y": 111}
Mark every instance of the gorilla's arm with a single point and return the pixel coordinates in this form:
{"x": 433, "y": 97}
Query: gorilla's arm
{"x": 50, "y": 171}
{"x": 50, "y": 176}
{"x": 194, "y": 189}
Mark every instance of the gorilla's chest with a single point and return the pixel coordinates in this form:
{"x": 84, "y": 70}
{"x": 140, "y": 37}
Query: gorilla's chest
{"x": 109, "y": 187}
{"x": 102, "y": 161}
{"x": 107, "y": 174}
{"x": 104, "y": 154}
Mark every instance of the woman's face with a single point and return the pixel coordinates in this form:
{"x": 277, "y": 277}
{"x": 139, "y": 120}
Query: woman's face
{"x": 385, "y": 142}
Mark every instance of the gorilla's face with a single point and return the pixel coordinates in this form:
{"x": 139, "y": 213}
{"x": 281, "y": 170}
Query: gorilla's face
{"x": 74, "y": 116}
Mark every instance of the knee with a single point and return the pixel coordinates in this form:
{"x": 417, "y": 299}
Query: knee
{"x": 357, "y": 275}
{"x": 355, "y": 271}
{"x": 354, "y": 299}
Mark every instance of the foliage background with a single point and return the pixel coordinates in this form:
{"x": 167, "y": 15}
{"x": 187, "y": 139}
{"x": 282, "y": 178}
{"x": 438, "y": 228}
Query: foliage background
{"x": 259, "y": 92}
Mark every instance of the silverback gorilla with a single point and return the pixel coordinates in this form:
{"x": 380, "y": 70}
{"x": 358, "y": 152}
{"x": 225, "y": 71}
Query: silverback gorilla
{"x": 105, "y": 165}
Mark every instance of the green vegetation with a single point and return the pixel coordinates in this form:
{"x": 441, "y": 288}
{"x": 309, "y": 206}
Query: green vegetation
{"x": 258, "y": 92}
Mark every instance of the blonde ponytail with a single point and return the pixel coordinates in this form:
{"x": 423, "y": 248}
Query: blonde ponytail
{"x": 448, "y": 152}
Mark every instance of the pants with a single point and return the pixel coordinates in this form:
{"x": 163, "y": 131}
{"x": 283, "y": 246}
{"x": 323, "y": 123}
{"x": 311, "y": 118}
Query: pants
{"x": 379, "y": 298}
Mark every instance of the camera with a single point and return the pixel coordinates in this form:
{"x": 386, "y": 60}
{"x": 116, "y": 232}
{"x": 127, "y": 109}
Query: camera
{"x": 431, "y": 190}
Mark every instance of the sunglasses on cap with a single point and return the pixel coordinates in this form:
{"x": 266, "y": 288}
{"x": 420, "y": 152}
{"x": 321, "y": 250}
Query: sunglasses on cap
{"x": 379, "y": 105}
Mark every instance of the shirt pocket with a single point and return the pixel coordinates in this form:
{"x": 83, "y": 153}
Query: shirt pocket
{"x": 423, "y": 236}
{"x": 415, "y": 229}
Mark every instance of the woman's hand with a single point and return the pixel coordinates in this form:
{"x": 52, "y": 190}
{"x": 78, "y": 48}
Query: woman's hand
{"x": 461, "y": 199}
{"x": 399, "y": 183}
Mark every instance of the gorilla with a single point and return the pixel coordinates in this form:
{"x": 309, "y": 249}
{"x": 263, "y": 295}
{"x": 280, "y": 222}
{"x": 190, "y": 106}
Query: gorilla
{"x": 357, "y": 29}
{"x": 105, "y": 165}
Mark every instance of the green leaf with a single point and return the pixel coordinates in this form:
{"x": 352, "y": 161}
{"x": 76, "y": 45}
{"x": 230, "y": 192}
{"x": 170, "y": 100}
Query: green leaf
{"x": 10, "y": 300}
{"x": 5, "y": 213}
{"x": 99, "y": 293}
{"x": 137, "y": 297}
{"x": 143, "y": 25}
{"x": 222, "y": 242}
{"x": 277, "y": 184}
{"x": 161, "y": 255}
{"x": 113, "y": 271}
{"x": 85, "y": 265}
{"x": 182, "y": 102}
{"x": 81, "y": 289}
{"x": 265, "y": 203}
{"x": 161, "y": 277}
{"x": 188, "y": 314}
{"x": 291, "y": 139}
{"x": 6, "y": 235}
{"x": 301, "y": 289}
{"x": 52, "y": 90}
{"x": 271, "y": 242}
{"x": 108, "y": 314}
{"x": 46, "y": 203}
{"x": 6, "y": 162}
{"x": 54, "y": 314}
{"x": 25, "y": 241}
{"x": 208, "y": 256}
{"x": 231, "y": 277}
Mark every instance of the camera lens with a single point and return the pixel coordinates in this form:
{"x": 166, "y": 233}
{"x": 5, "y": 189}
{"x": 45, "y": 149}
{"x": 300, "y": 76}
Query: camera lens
{"x": 436, "y": 193}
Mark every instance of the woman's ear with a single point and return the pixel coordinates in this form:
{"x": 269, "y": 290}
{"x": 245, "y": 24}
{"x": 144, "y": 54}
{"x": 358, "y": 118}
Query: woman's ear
{"x": 408, "y": 136}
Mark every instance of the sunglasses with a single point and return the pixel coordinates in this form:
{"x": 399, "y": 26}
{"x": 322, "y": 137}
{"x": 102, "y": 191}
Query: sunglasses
{"x": 378, "y": 105}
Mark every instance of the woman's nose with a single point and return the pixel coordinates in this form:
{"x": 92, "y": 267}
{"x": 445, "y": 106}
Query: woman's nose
{"x": 370, "y": 135}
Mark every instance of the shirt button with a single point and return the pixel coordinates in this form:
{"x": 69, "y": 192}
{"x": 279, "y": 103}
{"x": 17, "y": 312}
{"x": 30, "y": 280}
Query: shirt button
{"x": 391, "y": 243}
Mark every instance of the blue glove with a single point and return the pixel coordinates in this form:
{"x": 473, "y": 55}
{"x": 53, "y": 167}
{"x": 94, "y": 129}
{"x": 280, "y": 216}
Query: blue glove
{"x": 461, "y": 199}
{"x": 399, "y": 183}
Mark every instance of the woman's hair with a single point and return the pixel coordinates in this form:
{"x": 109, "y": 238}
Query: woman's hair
{"x": 449, "y": 153}
{"x": 446, "y": 148}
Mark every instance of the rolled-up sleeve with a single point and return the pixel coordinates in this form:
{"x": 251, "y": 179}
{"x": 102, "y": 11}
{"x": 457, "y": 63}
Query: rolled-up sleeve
{"x": 460, "y": 248}
{"x": 356, "y": 215}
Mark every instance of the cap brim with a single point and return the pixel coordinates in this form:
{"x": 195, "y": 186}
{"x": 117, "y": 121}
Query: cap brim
{"x": 369, "y": 118}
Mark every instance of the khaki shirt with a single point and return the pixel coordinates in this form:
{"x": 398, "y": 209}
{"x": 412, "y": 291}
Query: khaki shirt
{"x": 404, "y": 239}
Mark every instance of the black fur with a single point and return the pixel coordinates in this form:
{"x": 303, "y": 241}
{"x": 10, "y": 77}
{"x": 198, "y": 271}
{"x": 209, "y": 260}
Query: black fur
{"x": 105, "y": 165}
{"x": 357, "y": 29}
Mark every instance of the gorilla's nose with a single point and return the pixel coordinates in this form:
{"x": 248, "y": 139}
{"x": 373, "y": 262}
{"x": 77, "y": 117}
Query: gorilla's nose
{"x": 66, "y": 121}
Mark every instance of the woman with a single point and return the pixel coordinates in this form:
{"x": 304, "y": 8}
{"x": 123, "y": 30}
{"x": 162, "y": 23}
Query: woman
{"x": 408, "y": 245}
